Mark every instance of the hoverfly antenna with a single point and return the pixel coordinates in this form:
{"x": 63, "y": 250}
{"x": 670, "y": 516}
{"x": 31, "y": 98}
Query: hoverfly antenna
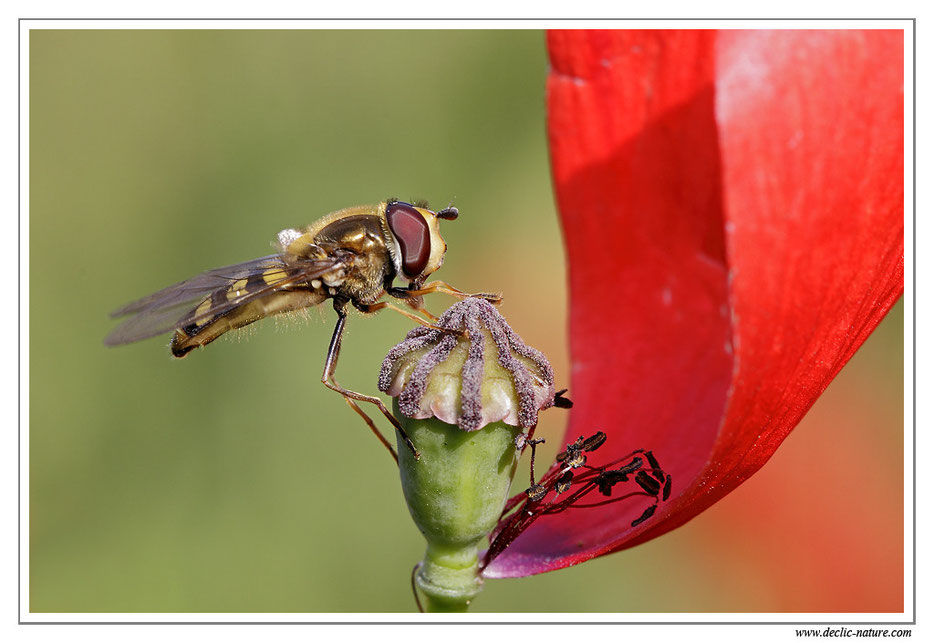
{"x": 449, "y": 213}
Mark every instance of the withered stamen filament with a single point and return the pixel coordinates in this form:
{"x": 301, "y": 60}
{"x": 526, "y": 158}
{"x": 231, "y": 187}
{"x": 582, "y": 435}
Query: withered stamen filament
{"x": 570, "y": 481}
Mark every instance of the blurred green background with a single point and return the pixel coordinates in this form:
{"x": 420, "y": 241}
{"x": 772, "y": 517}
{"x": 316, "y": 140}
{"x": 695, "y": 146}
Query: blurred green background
{"x": 232, "y": 481}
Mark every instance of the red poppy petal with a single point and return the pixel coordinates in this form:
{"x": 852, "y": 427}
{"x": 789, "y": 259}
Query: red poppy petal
{"x": 732, "y": 206}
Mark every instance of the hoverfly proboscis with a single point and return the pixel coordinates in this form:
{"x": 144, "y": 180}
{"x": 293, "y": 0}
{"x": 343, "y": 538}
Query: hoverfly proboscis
{"x": 352, "y": 256}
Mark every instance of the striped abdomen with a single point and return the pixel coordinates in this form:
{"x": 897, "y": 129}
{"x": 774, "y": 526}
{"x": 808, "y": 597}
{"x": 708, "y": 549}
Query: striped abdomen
{"x": 203, "y": 327}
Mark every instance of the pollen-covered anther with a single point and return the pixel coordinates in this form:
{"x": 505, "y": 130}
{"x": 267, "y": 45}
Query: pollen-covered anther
{"x": 573, "y": 456}
{"x": 479, "y": 374}
{"x": 594, "y": 442}
{"x": 536, "y": 492}
{"x": 564, "y": 482}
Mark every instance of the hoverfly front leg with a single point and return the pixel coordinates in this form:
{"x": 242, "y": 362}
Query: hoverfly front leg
{"x": 413, "y": 296}
{"x": 417, "y": 290}
{"x": 417, "y": 303}
{"x": 372, "y": 308}
{"x": 327, "y": 378}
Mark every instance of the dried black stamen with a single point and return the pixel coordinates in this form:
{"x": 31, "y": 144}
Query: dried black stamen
{"x": 656, "y": 469}
{"x": 607, "y": 479}
{"x": 533, "y": 444}
{"x": 571, "y": 449}
{"x": 564, "y": 482}
{"x": 573, "y": 456}
{"x": 632, "y": 467}
{"x": 594, "y": 442}
{"x": 536, "y": 492}
{"x": 648, "y": 483}
{"x": 648, "y": 513}
{"x": 562, "y": 402}
{"x": 575, "y": 459}
{"x": 569, "y": 481}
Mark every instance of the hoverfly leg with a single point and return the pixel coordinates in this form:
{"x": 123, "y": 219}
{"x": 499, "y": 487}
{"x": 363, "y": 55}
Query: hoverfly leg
{"x": 372, "y": 308}
{"x": 415, "y": 302}
{"x": 441, "y": 286}
{"x": 420, "y": 307}
{"x": 369, "y": 422}
{"x": 327, "y": 378}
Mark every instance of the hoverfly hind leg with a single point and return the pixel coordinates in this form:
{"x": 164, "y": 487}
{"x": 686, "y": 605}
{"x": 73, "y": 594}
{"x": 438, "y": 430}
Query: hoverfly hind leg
{"x": 327, "y": 378}
{"x": 369, "y": 422}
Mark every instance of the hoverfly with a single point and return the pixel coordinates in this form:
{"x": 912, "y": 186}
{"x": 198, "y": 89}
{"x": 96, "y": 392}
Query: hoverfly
{"x": 352, "y": 256}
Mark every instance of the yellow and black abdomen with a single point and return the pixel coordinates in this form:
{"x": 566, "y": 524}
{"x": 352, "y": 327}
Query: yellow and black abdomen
{"x": 204, "y": 327}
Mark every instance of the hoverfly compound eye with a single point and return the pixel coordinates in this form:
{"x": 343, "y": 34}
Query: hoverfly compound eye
{"x": 411, "y": 231}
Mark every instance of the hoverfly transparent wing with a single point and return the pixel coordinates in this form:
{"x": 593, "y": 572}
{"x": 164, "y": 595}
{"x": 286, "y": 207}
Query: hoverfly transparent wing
{"x": 173, "y": 307}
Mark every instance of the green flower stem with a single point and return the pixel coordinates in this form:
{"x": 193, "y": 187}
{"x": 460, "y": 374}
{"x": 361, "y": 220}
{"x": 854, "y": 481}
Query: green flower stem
{"x": 449, "y": 577}
{"x": 455, "y": 493}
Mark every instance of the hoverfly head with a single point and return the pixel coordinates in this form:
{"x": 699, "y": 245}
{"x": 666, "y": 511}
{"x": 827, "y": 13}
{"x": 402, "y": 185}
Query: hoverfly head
{"x": 418, "y": 249}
